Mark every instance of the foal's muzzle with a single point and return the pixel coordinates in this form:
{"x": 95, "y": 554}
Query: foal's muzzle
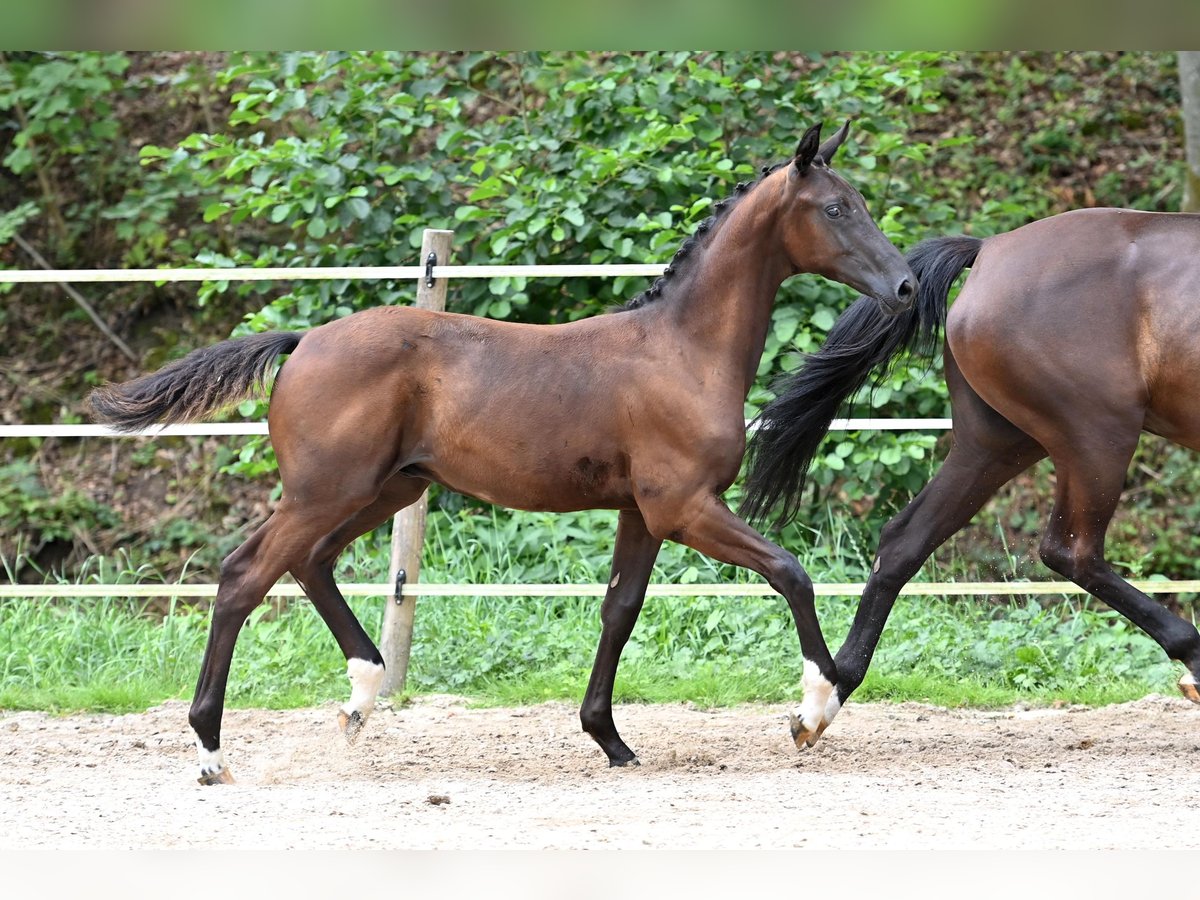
{"x": 901, "y": 297}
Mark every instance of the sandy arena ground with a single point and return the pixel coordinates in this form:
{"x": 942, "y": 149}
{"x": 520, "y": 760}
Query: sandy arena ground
{"x": 436, "y": 774}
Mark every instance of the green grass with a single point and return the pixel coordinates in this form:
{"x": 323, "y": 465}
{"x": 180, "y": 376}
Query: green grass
{"x": 121, "y": 655}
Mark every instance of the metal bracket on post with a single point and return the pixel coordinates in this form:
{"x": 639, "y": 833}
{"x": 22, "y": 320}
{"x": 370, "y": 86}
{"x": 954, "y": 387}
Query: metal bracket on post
{"x": 430, "y": 262}
{"x": 401, "y": 580}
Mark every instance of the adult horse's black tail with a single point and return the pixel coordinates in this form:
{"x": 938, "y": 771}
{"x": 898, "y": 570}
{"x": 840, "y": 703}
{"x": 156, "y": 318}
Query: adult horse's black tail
{"x": 203, "y": 382}
{"x": 862, "y": 340}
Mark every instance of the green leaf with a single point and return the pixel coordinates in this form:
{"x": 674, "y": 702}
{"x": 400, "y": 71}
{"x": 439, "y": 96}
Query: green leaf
{"x": 822, "y": 319}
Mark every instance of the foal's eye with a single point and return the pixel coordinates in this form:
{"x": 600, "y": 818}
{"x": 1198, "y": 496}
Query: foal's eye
{"x": 833, "y": 211}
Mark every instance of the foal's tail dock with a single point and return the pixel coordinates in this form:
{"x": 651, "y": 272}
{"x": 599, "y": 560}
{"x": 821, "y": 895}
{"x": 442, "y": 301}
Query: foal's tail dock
{"x": 200, "y": 384}
{"x": 863, "y": 340}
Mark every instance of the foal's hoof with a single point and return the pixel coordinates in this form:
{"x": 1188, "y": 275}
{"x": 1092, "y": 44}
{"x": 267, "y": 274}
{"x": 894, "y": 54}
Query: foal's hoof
{"x": 1187, "y": 687}
{"x": 802, "y": 735}
{"x": 817, "y": 734}
{"x": 630, "y": 763}
{"x": 221, "y": 776}
{"x": 351, "y": 724}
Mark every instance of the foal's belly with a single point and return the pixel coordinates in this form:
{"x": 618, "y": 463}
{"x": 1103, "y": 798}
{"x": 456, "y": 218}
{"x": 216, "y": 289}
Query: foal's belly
{"x": 565, "y": 485}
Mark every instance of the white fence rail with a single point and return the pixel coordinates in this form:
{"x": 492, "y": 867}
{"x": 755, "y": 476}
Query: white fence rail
{"x": 427, "y": 589}
{"x": 325, "y": 273}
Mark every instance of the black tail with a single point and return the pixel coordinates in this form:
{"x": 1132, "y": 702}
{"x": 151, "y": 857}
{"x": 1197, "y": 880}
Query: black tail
{"x": 203, "y": 382}
{"x": 863, "y": 339}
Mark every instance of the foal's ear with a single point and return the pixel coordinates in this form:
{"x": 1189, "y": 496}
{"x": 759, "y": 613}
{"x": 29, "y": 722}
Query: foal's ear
{"x": 807, "y": 149}
{"x": 830, "y": 147}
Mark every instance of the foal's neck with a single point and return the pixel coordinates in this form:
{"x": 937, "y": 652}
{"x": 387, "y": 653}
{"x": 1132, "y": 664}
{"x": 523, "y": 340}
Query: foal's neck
{"x": 726, "y": 304}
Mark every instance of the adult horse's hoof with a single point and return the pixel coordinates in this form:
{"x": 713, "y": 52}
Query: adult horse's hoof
{"x": 351, "y": 724}
{"x": 631, "y": 763}
{"x": 1187, "y": 687}
{"x": 221, "y": 776}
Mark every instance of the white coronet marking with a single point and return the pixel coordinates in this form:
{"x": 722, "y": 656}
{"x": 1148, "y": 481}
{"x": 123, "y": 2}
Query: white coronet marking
{"x": 1188, "y": 678}
{"x": 365, "y": 680}
{"x": 616, "y": 579}
{"x": 211, "y": 761}
{"x": 817, "y": 691}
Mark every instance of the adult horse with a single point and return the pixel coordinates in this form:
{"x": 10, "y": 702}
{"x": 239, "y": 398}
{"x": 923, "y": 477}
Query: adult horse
{"x": 640, "y": 410}
{"x": 1070, "y": 337}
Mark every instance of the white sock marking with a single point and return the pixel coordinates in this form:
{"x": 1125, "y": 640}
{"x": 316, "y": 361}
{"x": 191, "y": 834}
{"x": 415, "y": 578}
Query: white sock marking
{"x": 1188, "y": 678}
{"x": 816, "y": 695}
{"x": 365, "y": 679}
{"x": 211, "y": 761}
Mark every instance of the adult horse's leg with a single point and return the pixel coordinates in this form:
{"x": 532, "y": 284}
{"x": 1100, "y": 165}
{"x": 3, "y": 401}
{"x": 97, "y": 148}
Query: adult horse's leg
{"x": 364, "y": 665}
{"x": 1090, "y": 466}
{"x": 633, "y": 560}
{"x": 703, "y": 522}
{"x": 988, "y": 451}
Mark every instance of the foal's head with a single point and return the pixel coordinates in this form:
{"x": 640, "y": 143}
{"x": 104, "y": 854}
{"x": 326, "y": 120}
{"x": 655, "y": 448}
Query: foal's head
{"x": 826, "y": 228}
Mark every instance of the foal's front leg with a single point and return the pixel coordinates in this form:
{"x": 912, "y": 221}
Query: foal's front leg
{"x": 633, "y": 559}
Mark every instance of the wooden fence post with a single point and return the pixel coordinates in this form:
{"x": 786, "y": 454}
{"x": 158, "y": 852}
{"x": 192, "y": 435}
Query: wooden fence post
{"x": 408, "y": 526}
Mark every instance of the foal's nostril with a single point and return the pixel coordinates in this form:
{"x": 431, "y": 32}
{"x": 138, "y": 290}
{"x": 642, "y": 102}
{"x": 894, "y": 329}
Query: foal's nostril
{"x": 906, "y": 290}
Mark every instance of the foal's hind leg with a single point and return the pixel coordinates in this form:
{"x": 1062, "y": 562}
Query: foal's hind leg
{"x": 246, "y": 576}
{"x": 364, "y": 665}
{"x": 705, "y": 523}
{"x": 1090, "y": 469}
{"x": 633, "y": 561}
